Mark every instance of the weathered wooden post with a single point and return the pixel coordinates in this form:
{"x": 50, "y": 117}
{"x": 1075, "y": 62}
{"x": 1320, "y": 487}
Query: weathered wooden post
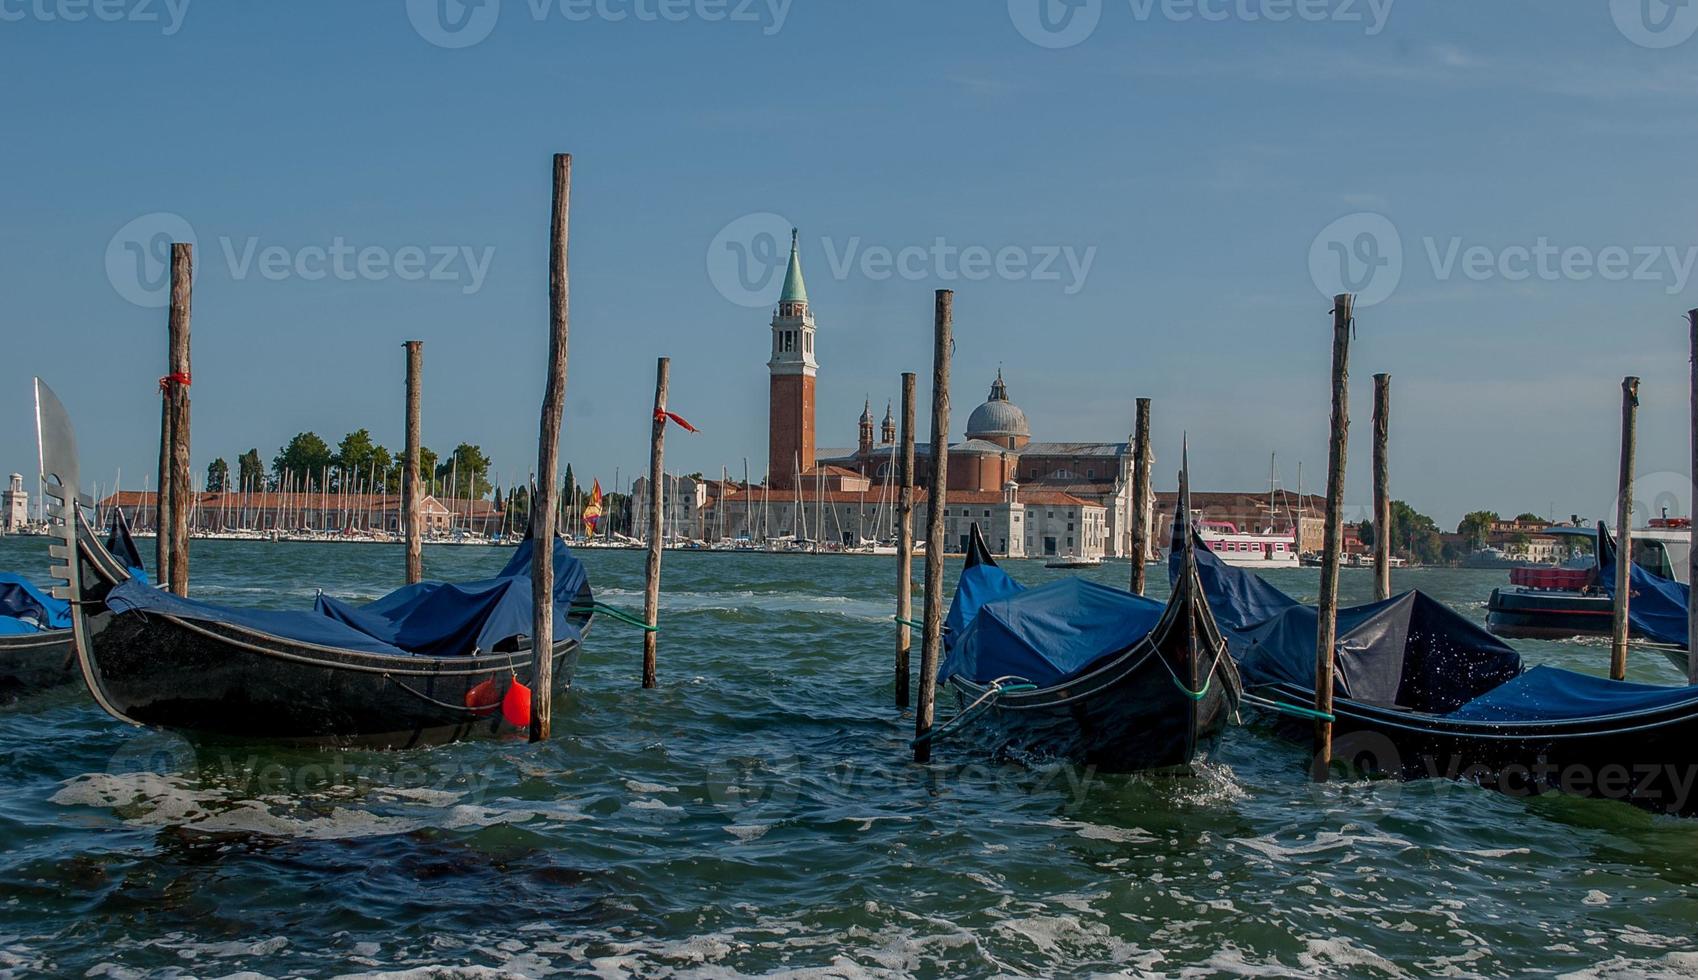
{"x": 657, "y": 537}
{"x": 905, "y": 543}
{"x": 176, "y": 387}
{"x": 412, "y": 507}
{"x": 548, "y": 458}
{"x": 1624, "y": 529}
{"x": 1141, "y": 497}
{"x": 1382, "y": 487}
{"x": 943, "y": 324}
{"x": 1692, "y": 513}
{"x": 1337, "y": 443}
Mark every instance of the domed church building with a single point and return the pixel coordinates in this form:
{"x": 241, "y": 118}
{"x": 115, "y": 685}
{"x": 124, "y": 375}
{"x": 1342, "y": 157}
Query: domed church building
{"x": 1035, "y": 499}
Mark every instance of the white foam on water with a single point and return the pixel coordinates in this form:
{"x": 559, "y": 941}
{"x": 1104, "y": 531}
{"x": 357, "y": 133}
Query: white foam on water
{"x": 1324, "y": 841}
{"x": 650, "y": 789}
{"x": 746, "y": 832}
{"x": 152, "y": 800}
{"x": 1094, "y": 831}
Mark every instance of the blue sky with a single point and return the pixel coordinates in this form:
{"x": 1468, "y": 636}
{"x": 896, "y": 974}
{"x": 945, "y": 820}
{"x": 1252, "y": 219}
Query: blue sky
{"x": 1190, "y": 168}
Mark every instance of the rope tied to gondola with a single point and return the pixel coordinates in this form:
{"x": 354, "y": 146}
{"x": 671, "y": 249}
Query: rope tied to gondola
{"x": 615, "y": 613}
{"x": 1287, "y": 709}
{"x": 912, "y": 624}
{"x": 176, "y": 379}
{"x": 986, "y": 701}
{"x": 1208, "y": 681}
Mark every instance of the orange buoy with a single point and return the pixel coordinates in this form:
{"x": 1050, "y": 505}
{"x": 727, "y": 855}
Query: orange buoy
{"x": 484, "y": 699}
{"x": 516, "y": 706}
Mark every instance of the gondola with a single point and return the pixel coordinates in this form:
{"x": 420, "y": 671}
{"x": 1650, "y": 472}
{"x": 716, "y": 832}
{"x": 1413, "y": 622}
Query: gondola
{"x": 1420, "y": 692}
{"x": 1084, "y": 673}
{"x": 426, "y": 664}
{"x": 36, "y": 649}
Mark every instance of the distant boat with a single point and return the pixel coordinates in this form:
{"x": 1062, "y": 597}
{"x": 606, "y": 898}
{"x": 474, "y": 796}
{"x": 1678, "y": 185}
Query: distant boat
{"x": 1074, "y": 561}
{"x": 1249, "y": 549}
{"x": 1560, "y": 601}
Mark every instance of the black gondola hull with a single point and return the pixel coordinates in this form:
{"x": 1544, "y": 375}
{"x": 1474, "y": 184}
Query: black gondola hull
{"x": 1644, "y": 758}
{"x": 1136, "y": 719}
{"x": 214, "y": 680}
{"x": 35, "y": 662}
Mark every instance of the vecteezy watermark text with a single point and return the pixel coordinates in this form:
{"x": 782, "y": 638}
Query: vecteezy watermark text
{"x": 464, "y": 23}
{"x": 1059, "y": 24}
{"x": 747, "y": 260}
{"x": 168, "y": 14}
{"x": 1364, "y": 253}
{"x": 1656, "y": 23}
{"x": 138, "y": 260}
{"x": 339, "y": 260}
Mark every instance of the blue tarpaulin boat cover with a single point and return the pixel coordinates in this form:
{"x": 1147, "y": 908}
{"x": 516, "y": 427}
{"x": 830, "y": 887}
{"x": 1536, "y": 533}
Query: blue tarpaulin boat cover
{"x": 136, "y": 596}
{"x": 1411, "y": 651}
{"x": 26, "y": 609}
{"x": 431, "y": 618}
{"x": 1657, "y": 606}
{"x": 979, "y": 583}
{"x": 1048, "y": 634}
{"x": 451, "y": 619}
{"x": 1554, "y": 694}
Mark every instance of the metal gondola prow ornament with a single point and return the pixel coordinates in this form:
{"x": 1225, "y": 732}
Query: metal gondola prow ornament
{"x": 56, "y": 448}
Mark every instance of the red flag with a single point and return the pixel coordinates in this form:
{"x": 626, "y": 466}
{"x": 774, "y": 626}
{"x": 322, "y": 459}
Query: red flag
{"x": 662, "y": 414}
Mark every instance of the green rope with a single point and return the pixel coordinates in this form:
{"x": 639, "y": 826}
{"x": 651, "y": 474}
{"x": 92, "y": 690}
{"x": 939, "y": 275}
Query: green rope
{"x": 618, "y": 614}
{"x": 1288, "y": 709}
{"x": 908, "y": 623}
{"x": 979, "y": 707}
{"x": 1193, "y": 695}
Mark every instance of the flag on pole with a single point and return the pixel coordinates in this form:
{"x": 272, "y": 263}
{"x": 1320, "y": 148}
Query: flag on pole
{"x": 664, "y": 415}
{"x": 592, "y": 510}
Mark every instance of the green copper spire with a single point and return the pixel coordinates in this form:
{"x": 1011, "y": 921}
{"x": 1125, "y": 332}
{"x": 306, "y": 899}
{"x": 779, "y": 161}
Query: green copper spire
{"x": 795, "y": 291}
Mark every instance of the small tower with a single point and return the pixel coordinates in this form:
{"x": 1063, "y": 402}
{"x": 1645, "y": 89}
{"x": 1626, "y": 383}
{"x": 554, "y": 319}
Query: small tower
{"x": 865, "y": 445}
{"x": 889, "y": 426}
{"x": 14, "y": 505}
{"x": 790, "y": 407}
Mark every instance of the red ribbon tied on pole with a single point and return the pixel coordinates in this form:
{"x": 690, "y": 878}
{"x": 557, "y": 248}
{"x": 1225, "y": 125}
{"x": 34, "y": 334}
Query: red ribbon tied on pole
{"x": 661, "y": 415}
{"x": 166, "y": 383}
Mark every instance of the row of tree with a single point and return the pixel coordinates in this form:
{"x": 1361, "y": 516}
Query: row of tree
{"x": 1415, "y": 535}
{"x": 358, "y": 464}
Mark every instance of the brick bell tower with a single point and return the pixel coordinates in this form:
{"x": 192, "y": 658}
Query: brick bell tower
{"x": 790, "y": 414}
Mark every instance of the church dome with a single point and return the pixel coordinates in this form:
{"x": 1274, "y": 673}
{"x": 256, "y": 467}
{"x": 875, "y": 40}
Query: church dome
{"x": 998, "y": 416}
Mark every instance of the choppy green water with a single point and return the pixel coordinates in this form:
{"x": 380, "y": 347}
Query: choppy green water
{"x": 755, "y": 815}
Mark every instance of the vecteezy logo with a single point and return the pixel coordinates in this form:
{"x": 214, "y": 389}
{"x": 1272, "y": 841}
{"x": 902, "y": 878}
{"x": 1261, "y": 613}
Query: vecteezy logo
{"x": 454, "y": 23}
{"x": 1655, "y": 496}
{"x": 1055, "y": 24}
{"x": 138, "y": 258}
{"x": 747, "y": 259}
{"x": 1359, "y": 253}
{"x": 1656, "y": 23}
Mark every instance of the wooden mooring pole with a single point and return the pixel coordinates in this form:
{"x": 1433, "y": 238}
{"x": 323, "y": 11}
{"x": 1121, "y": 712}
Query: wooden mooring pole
{"x": 905, "y": 543}
{"x": 657, "y": 533}
{"x": 1692, "y": 512}
{"x": 177, "y": 410}
{"x": 1624, "y": 528}
{"x": 943, "y": 324}
{"x": 548, "y": 457}
{"x": 1141, "y": 459}
{"x": 1337, "y": 444}
{"x": 412, "y": 510}
{"x": 1382, "y": 487}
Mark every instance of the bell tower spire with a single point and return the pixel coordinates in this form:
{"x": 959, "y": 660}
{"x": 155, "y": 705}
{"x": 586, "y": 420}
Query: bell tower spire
{"x": 792, "y": 369}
